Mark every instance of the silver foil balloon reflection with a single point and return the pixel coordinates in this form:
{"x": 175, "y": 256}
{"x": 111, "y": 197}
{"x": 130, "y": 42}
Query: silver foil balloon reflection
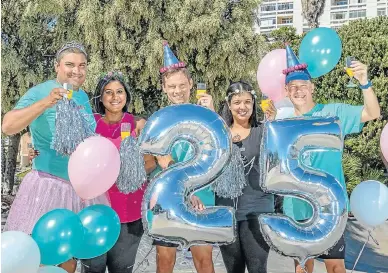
{"x": 166, "y": 210}
{"x": 286, "y": 145}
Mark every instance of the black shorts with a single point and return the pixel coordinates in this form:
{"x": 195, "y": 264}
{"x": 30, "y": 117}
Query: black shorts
{"x": 162, "y": 243}
{"x": 336, "y": 252}
{"x": 165, "y": 244}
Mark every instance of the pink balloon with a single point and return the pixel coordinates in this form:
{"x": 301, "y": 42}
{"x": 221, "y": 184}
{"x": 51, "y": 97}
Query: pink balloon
{"x": 94, "y": 167}
{"x": 270, "y": 74}
{"x": 384, "y": 141}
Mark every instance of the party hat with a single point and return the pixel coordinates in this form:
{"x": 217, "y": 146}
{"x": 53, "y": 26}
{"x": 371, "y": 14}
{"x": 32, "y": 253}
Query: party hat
{"x": 170, "y": 61}
{"x": 295, "y": 70}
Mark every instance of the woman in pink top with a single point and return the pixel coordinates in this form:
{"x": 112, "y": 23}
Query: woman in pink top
{"x": 111, "y": 102}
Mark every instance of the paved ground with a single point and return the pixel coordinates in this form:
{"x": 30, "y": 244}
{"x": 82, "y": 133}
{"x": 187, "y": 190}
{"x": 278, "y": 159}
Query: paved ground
{"x": 373, "y": 260}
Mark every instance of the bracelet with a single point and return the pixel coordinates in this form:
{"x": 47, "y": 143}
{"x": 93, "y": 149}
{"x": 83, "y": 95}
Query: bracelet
{"x": 366, "y": 86}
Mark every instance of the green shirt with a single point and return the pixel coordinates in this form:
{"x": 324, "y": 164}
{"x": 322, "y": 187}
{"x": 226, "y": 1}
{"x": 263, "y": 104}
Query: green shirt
{"x": 329, "y": 161}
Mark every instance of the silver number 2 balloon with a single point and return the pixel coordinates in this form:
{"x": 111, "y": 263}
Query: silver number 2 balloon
{"x": 286, "y": 145}
{"x": 166, "y": 209}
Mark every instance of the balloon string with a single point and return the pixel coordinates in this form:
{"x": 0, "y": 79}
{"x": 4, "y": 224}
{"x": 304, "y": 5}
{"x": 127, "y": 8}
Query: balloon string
{"x": 374, "y": 240}
{"x": 362, "y": 250}
{"x": 142, "y": 262}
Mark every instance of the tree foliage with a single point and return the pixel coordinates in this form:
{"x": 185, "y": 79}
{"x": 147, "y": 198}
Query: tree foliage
{"x": 215, "y": 38}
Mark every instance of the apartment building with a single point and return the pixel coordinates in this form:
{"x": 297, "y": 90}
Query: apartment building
{"x": 273, "y": 14}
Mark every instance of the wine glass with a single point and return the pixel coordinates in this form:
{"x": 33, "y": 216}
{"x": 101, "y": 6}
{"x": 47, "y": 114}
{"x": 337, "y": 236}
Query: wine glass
{"x": 348, "y": 63}
{"x": 125, "y": 130}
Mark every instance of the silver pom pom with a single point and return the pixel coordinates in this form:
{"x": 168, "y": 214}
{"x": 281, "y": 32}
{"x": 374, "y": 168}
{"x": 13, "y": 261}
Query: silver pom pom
{"x": 132, "y": 171}
{"x": 232, "y": 180}
{"x": 71, "y": 127}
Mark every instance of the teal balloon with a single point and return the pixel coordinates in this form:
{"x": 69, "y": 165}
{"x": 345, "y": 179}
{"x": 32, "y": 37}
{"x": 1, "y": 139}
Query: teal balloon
{"x": 369, "y": 203}
{"x": 58, "y": 234}
{"x": 102, "y": 229}
{"x": 321, "y": 50}
{"x": 51, "y": 269}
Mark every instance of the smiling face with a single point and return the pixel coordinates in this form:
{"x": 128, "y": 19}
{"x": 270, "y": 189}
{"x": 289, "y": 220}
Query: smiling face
{"x": 114, "y": 97}
{"x": 177, "y": 87}
{"x": 300, "y": 93}
{"x": 71, "y": 68}
{"x": 241, "y": 106}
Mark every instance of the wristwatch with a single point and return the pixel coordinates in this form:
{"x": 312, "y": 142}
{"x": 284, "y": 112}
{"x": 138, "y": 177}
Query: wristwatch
{"x": 366, "y": 86}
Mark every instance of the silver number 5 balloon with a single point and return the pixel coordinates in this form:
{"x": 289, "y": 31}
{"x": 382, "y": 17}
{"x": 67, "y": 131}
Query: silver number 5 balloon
{"x": 286, "y": 145}
{"x": 167, "y": 213}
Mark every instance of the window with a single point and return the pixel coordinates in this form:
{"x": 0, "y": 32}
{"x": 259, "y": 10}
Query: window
{"x": 285, "y": 6}
{"x": 287, "y": 20}
{"x": 339, "y": 2}
{"x": 338, "y": 16}
{"x": 381, "y": 12}
{"x": 357, "y": 14}
{"x": 357, "y": 1}
{"x": 267, "y": 22}
{"x": 269, "y": 7}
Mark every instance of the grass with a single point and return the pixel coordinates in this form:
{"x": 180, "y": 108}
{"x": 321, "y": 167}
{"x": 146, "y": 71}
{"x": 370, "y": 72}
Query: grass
{"x": 23, "y": 174}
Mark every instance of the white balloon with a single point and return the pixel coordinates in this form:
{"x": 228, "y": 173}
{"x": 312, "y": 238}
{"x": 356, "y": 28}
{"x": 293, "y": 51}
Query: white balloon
{"x": 19, "y": 253}
{"x": 369, "y": 203}
{"x": 51, "y": 269}
{"x": 285, "y": 109}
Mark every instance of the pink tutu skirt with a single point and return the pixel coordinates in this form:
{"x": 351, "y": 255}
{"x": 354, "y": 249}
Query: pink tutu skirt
{"x": 40, "y": 193}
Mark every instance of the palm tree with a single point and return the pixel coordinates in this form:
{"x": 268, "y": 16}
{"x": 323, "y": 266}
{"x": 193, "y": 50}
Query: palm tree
{"x": 311, "y": 10}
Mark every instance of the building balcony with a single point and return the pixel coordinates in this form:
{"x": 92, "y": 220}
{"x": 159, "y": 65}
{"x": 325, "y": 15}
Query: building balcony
{"x": 285, "y": 24}
{"x": 286, "y": 12}
{"x": 338, "y": 22}
{"x": 339, "y": 3}
{"x": 267, "y": 28}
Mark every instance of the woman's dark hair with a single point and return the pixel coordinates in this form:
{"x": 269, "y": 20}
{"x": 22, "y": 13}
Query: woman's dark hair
{"x": 104, "y": 81}
{"x": 226, "y": 114}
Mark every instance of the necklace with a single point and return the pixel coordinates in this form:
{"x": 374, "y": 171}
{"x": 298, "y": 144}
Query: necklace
{"x": 236, "y": 138}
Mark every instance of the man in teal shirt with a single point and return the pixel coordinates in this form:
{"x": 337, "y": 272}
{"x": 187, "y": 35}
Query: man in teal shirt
{"x": 177, "y": 84}
{"x": 299, "y": 90}
{"x": 47, "y": 186}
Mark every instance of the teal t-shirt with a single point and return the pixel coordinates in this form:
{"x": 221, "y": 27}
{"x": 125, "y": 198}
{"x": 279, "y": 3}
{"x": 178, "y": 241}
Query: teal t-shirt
{"x": 329, "y": 162}
{"x": 43, "y": 128}
{"x": 182, "y": 151}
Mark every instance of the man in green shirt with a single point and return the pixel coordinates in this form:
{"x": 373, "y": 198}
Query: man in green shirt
{"x": 177, "y": 84}
{"x": 300, "y": 90}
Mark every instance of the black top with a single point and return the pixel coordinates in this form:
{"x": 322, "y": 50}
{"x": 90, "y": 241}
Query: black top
{"x": 253, "y": 201}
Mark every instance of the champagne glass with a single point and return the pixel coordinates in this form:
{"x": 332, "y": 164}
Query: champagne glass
{"x": 125, "y": 130}
{"x": 201, "y": 89}
{"x": 68, "y": 87}
{"x": 348, "y": 63}
{"x": 264, "y": 104}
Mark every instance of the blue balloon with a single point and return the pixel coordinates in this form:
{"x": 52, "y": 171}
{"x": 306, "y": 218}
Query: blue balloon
{"x": 321, "y": 50}
{"x": 58, "y": 234}
{"x": 369, "y": 203}
{"x": 102, "y": 229}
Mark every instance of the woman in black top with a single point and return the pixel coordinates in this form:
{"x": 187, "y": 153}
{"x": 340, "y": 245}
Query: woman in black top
{"x": 249, "y": 249}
